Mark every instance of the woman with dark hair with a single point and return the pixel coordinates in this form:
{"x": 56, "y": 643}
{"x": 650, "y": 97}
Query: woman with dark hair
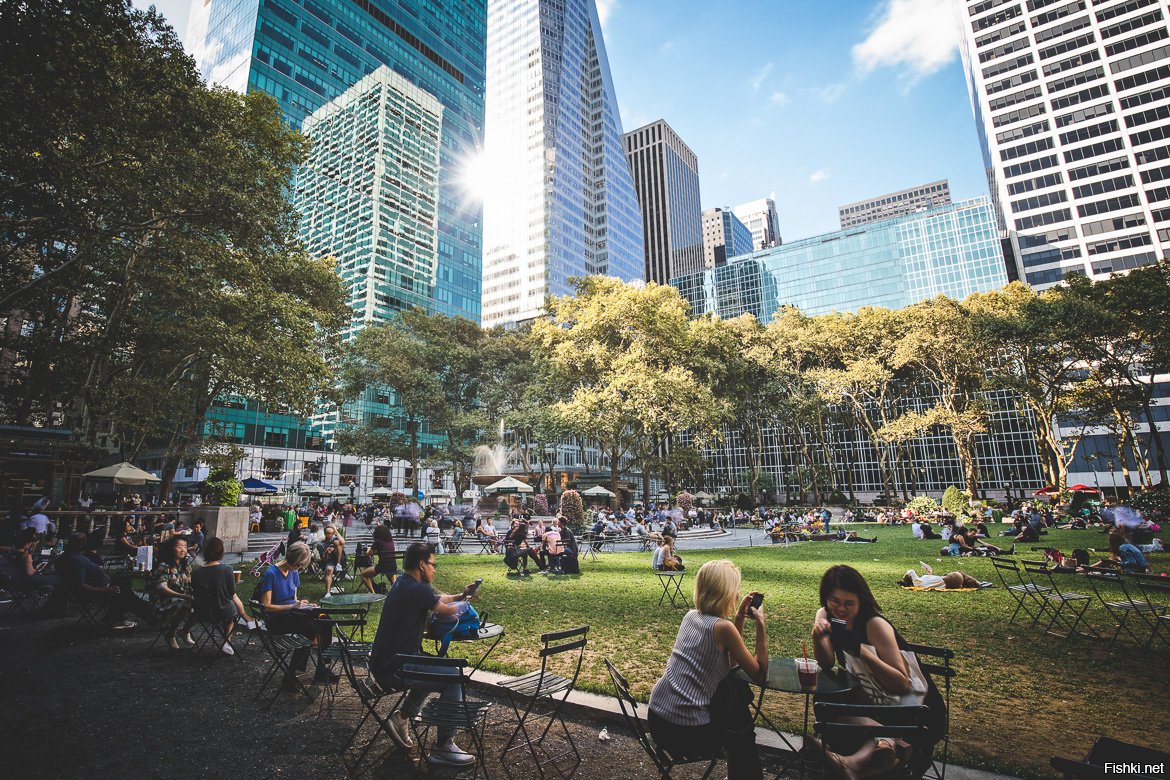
{"x": 849, "y": 629}
{"x": 383, "y": 547}
{"x": 214, "y": 586}
{"x": 1122, "y": 554}
{"x": 172, "y": 591}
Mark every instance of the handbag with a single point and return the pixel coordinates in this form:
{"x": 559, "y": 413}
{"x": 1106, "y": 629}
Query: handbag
{"x": 873, "y": 689}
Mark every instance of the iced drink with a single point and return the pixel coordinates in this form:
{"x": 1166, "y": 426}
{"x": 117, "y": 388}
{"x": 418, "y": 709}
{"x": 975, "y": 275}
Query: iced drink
{"x": 807, "y": 669}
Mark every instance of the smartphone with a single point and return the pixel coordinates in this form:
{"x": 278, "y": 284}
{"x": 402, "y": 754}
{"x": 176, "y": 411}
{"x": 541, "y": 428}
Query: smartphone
{"x": 475, "y": 587}
{"x": 757, "y": 600}
{"x": 838, "y": 624}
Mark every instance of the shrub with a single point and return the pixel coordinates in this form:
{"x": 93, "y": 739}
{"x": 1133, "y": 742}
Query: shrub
{"x": 1149, "y": 501}
{"x": 685, "y": 501}
{"x": 923, "y": 505}
{"x": 744, "y": 501}
{"x": 955, "y": 501}
{"x": 540, "y": 504}
{"x": 222, "y": 490}
{"x": 573, "y": 508}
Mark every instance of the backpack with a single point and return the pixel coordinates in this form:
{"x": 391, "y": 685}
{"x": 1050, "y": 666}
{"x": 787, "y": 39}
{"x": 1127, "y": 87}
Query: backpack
{"x": 465, "y": 624}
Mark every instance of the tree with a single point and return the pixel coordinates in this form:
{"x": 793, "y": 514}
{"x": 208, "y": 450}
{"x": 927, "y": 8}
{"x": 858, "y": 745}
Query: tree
{"x": 147, "y": 235}
{"x": 942, "y": 346}
{"x": 626, "y": 353}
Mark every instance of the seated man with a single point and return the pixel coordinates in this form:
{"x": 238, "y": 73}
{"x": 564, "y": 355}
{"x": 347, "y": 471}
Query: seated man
{"x": 332, "y": 549}
{"x": 88, "y": 581}
{"x": 400, "y": 631}
{"x": 486, "y": 532}
{"x": 19, "y": 570}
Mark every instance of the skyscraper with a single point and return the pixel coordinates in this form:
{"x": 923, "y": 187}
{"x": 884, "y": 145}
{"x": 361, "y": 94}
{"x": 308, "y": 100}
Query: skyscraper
{"x": 384, "y": 190}
{"x": 562, "y": 200}
{"x": 368, "y": 193}
{"x": 761, "y": 218}
{"x": 666, "y": 179}
{"x": 1071, "y": 104}
{"x": 306, "y": 53}
{"x": 894, "y": 204}
{"x": 724, "y": 237}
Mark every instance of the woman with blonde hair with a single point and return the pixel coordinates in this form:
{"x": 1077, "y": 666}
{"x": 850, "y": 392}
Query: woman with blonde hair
{"x": 696, "y": 708}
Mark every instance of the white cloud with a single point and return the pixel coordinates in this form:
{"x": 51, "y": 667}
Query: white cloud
{"x": 757, "y": 80}
{"x": 831, "y": 93}
{"x": 917, "y": 35}
{"x": 605, "y": 8}
{"x": 818, "y": 175}
{"x": 778, "y": 98}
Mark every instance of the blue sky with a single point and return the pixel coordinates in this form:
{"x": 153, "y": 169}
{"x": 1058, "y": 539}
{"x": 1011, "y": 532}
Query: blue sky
{"x": 821, "y": 102}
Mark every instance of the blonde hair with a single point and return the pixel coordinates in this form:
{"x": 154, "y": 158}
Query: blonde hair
{"x": 717, "y": 588}
{"x": 298, "y": 554}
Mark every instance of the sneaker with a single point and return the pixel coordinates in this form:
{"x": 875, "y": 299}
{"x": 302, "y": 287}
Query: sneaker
{"x": 173, "y": 642}
{"x": 227, "y": 649}
{"x": 450, "y": 754}
{"x": 123, "y": 625}
{"x": 188, "y": 640}
{"x": 400, "y": 730}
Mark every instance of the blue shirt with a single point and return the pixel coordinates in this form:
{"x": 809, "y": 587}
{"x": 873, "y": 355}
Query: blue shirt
{"x": 284, "y": 588}
{"x": 1132, "y": 559}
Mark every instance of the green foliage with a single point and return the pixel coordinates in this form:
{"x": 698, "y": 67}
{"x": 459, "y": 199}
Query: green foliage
{"x": 1152, "y": 500}
{"x": 955, "y": 501}
{"x": 923, "y": 505}
{"x": 173, "y": 275}
{"x": 573, "y": 508}
{"x": 744, "y": 501}
{"x": 222, "y": 490}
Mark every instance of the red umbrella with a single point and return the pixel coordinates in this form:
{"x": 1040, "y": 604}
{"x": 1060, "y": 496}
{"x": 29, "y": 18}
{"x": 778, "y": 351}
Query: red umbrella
{"x": 1044, "y": 491}
{"x": 1083, "y": 489}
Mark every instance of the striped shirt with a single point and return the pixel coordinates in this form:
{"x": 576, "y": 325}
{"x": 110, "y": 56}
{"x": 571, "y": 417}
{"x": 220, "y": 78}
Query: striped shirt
{"x": 693, "y": 672}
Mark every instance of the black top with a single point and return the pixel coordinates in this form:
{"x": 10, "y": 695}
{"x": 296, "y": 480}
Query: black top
{"x": 214, "y": 585}
{"x": 404, "y": 616}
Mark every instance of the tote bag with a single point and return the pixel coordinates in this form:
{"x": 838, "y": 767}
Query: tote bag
{"x": 873, "y": 689}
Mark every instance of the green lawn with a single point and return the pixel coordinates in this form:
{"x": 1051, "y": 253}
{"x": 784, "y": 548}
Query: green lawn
{"x": 1021, "y": 695}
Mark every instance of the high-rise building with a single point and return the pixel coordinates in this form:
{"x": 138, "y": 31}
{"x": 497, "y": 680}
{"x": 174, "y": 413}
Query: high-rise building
{"x": 306, "y": 53}
{"x": 894, "y": 204}
{"x": 421, "y": 68}
{"x": 954, "y": 251}
{"x": 724, "y": 237}
{"x": 368, "y": 194}
{"x": 666, "y": 179}
{"x": 761, "y": 218}
{"x": 563, "y": 203}
{"x": 1071, "y": 102}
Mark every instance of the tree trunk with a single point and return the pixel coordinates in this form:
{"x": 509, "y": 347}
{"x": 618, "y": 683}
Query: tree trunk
{"x": 1156, "y": 439}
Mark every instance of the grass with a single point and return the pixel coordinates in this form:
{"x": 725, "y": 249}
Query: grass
{"x": 1021, "y": 695}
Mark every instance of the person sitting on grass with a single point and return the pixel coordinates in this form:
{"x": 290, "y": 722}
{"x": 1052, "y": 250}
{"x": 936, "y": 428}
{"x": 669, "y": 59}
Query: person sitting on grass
{"x": 664, "y": 558}
{"x": 1122, "y": 554}
{"x": 214, "y": 586}
{"x": 400, "y": 631}
{"x": 383, "y": 547}
{"x": 171, "y": 592}
{"x": 921, "y": 529}
{"x": 697, "y": 708}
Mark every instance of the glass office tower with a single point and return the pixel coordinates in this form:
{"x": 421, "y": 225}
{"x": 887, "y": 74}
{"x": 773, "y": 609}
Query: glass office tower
{"x": 563, "y": 201}
{"x": 952, "y": 251}
{"x": 307, "y": 53}
{"x": 430, "y": 59}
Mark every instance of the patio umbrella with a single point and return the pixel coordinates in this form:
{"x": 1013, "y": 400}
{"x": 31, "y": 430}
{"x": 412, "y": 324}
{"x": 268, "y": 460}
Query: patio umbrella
{"x": 440, "y": 493}
{"x": 1083, "y": 489}
{"x": 507, "y": 485}
{"x": 1044, "y": 491}
{"x": 123, "y": 474}
{"x": 316, "y": 490}
{"x": 381, "y": 492}
{"x": 598, "y": 491}
{"x": 258, "y": 487}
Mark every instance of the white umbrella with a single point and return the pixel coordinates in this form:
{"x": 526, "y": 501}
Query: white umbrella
{"x": 439, "y": 493}
{"x": 316, "y": 490}
{"x": 507, "y": 485}
{"x": 123, "y": 474}
{"x": 381, "y": 492}
{"x": 598, "y": 491}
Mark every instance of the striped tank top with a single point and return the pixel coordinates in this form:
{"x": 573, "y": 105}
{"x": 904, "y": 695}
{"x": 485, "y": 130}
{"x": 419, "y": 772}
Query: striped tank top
{"x": 693, "y": 672}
